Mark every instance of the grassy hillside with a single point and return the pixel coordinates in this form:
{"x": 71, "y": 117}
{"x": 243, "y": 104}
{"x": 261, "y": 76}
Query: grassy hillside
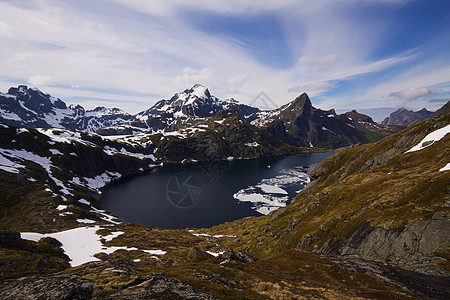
{"x": 376, "y": 184}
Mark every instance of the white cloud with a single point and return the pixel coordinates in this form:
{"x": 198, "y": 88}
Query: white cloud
{"x": 439, "y": 100}
{"x": 5, "y": 29}
{"x": 191, "y": 76}
{"x": 412, "y": 93}
{"x": 321, "y": 61}
{"x": 171, "y": 7}
{"x": 22, "y": 56}
{"x": 235, "y": 82}
{"x": 40, "y": 80}
{"x": 311, "y": 86}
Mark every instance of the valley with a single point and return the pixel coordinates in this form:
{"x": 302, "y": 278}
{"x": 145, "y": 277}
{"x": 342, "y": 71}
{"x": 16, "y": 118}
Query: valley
{"x": 373, "y": 219}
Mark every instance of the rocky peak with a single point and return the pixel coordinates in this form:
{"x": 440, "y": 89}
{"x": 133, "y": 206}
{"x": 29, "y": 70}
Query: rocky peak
{"x": 21, "y": 89}
{"x": 36, "y": 100}
{"x": 300, "y": 106}
{"x": 405, "y": 117}
{"x": 301, "y": 102}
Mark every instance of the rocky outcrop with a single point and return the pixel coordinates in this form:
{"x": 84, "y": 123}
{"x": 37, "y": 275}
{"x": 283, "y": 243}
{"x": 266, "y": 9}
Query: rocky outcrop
{"x": 159, "y": 286}
{"x": 195, "y": 255}
{"x": 240, "y": 255}
{"x": 51, "y": 287}
{"x": 421, "y": 285}
{"x": 12, "y": 239}
{"x": 413, "y": 246}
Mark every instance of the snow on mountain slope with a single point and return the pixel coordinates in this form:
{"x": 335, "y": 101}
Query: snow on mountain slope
{"x": 29, "y": 107}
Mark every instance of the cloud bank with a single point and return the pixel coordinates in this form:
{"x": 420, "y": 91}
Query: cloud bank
{"x": 136, "y": 52}
{"x": 411, "y": 94}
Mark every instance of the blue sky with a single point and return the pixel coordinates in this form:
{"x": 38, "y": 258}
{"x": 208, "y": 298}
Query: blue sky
{"x": 372, "y": 55}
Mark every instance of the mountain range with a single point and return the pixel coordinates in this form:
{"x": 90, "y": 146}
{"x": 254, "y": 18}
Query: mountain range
{"x": 297, "y": 123}
{"x": 405, "y": 117}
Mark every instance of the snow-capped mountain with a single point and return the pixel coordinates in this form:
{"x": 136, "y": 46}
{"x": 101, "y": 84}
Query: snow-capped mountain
{"x": 29, "y": 107}
{"x": 297, "y": 123}
{"x": 189, "y": 105}
{"x": 405, "y": 117}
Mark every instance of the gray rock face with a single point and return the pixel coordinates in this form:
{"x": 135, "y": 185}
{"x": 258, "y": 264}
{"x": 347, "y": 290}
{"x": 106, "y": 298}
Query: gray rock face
{"x": 421, "y": 285}
{"x": 412, "y": 246}
{"x": 406, "y": 117}
{"x": 159, "y": 286}
{"x": 52, "y": 287}
{"x": 241, "y": 255}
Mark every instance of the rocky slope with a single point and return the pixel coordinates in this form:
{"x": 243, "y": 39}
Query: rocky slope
{"x": 405, "y": 117}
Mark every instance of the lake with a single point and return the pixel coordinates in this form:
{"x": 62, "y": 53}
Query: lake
{"x": 204, "y": 194}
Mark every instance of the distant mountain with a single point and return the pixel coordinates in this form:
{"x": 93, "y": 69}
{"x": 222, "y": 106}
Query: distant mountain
{"x": 29, "y": 107}
{"x": 297, "y": 123}
{"x": 405, "y": 117}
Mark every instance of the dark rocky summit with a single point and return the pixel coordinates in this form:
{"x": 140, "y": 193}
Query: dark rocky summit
{"x": 405, "y": 117}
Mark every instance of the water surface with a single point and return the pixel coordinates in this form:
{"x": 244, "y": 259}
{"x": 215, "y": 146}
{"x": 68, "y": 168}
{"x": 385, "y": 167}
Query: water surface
{"x": 208, "y": 193}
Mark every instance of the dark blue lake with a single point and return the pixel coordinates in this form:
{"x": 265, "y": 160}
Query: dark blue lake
{"x": 208, "y": 193}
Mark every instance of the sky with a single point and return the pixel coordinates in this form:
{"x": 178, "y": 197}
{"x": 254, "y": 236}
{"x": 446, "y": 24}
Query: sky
{"x": 370, "y": 55}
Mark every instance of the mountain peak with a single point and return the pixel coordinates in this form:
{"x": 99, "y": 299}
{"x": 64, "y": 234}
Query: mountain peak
{"x": 21, "y": 89}
{"x": 405, "y": 117}
{"x": 198, "y": 90}
{"x": 301, "y": 102}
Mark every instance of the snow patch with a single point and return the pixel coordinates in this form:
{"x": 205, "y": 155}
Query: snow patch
{"x": 430, "y": 139}
{"x": 215, "y": 254}
{"x": 84, "y": 201}
{"x": 8, "y": 165}
{"x": 112, "y": 151}
{"x": 55, "y": 152}
{"x": 10, "y": 116}
{"x": 254, "y": 144}
{"x": 98, "y": 181}
{"x": 446, "y": 168}
{"x": 85, "y": 221}
{"x": 82, "y": 243}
